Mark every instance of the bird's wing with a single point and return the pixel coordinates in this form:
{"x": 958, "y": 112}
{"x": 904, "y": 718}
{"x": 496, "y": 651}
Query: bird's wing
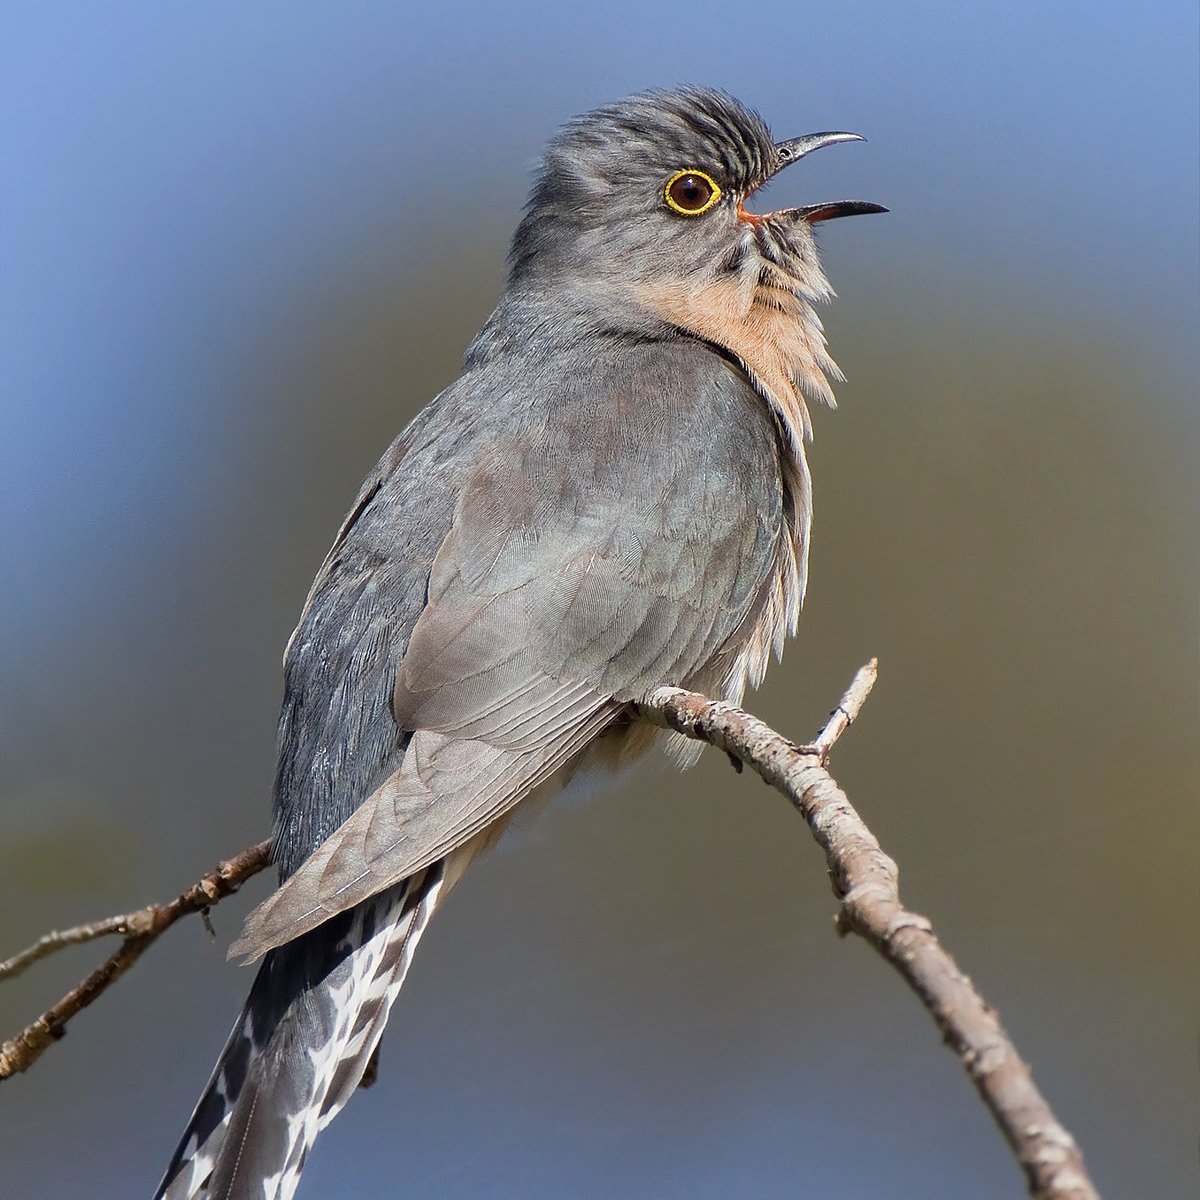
{"x": 569, "y": 583}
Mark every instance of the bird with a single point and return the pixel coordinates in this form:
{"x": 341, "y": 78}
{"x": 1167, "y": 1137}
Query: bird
{"x": 611, "y": 497}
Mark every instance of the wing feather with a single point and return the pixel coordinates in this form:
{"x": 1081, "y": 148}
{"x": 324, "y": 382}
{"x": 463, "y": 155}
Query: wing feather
{"x": 446, "y": 790}
{"x": 587, "y": 561}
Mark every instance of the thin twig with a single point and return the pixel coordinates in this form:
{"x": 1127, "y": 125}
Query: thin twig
{"x": 846, "y": 713}
{"x": 48, "y": 943}
{"x": 139, "y": 928}
{"x": 866, "y": 880}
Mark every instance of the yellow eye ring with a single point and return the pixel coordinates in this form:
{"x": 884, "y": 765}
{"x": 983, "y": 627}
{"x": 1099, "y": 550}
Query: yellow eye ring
{"x": 690, "y": 192}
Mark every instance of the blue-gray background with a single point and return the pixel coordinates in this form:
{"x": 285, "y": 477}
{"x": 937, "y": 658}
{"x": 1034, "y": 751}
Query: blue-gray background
{"x": 242, "y": 243}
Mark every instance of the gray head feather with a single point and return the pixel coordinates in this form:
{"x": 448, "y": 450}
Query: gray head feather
{"x": 602, "y": 177}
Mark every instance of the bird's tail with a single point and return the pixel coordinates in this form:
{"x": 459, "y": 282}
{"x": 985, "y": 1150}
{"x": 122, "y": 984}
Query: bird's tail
{"x": 298, "y": 1051}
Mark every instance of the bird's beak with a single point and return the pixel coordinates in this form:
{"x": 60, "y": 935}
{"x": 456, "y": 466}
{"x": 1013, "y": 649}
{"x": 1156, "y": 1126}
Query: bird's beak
{"x": 793, "y": 150}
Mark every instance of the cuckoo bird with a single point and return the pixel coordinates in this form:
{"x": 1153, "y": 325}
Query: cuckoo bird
{"x": 612, "y": 496}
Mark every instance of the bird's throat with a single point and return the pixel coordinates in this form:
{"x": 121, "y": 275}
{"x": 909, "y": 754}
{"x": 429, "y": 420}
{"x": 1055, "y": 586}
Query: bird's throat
{"x": 767, "y": 323}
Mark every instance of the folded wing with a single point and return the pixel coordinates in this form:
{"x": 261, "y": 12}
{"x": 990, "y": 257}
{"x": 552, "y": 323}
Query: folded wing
{"x": 574, "y": 578}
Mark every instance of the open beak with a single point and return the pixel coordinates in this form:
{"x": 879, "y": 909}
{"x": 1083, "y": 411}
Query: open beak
{"x": 793, "y": 150}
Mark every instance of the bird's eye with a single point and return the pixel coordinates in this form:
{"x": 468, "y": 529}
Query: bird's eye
{"x": 691, "y": 192}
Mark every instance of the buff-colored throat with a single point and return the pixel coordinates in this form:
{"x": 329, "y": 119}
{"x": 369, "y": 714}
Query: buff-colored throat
{"x": 764, "y": 319}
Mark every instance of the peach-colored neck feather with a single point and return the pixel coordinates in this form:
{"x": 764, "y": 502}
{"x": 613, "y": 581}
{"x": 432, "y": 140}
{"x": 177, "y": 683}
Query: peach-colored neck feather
{"x": 764, "y": 317}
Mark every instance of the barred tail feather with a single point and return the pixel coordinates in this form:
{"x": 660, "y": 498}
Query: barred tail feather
{"x": 315, "y": 1014}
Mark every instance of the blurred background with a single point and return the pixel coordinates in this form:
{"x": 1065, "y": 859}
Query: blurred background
{"x": 242, "y": 244}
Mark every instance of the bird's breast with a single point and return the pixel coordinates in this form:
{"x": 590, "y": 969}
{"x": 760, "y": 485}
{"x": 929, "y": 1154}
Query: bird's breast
{"x": 776, "y": 337}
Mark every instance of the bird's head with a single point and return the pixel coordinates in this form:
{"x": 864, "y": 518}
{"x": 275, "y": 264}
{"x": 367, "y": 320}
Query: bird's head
{"x": 640, "y": 211}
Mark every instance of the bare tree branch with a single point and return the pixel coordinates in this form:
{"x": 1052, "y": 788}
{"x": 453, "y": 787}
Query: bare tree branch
{"x": 57, "y": 939}
{"x": 866, "y": 881}
{"x": 139, "y": 928}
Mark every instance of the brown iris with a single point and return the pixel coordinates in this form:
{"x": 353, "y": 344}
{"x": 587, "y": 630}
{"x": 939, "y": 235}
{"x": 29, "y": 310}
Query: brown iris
{"x": 691, "y": 192}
